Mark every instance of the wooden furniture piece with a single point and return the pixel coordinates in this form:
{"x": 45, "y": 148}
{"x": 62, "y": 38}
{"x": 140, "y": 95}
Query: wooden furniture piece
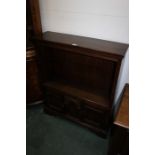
{"x": 119, "y": 142}
{"x": 33, "y": 91}
{"x": 33, "y": 21}
{"x": 33, "y": 28}
{"x": 79, "y": 76}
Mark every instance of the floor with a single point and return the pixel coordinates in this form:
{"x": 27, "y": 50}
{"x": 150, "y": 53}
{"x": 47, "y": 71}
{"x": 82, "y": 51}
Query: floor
{"x": 49, "y": 135}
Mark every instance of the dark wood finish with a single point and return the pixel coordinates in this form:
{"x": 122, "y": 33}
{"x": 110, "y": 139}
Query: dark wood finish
{"x": 29, "y": 25}
{"x": 79, "y": 76}
{"x": 96, "y": 100}
{"x": 33, "y": 28}
{"x": 33, "y": 92}
{"x": 85, "y": 42}
{"x": 33, "y": 21}
{"x": 35, "y": 14}
{"x": 119, "y": 142}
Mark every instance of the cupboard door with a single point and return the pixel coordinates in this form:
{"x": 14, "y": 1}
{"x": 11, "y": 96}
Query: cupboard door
{"x": 55, "y": 100}
{"x": 72, "y": 106}
{"x": 94, "y": 116}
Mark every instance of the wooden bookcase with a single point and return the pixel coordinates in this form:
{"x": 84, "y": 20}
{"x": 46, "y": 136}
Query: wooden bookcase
{"x": 79, "y": 76}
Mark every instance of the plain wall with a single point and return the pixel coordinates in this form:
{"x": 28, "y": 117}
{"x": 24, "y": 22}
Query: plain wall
{"x": 123, "y": 76}
{"x": 102, "y": 19}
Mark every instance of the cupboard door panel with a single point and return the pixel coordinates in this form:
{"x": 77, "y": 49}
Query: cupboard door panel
{"x": 55, "y": 100}
{"x": 94, "y": 116}
{"x": 72, "y": 106}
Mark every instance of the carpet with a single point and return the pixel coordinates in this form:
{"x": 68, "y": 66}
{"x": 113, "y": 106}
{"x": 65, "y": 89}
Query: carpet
{"x": 50, "y": 135}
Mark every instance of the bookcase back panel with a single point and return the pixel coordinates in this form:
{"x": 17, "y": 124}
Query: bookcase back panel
{"x": 90, "y": 73}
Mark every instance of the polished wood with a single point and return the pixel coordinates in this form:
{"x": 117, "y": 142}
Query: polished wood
{"x": 35, "y": 15}
{"x": 33, "y": 21}
{"x": 119, "y": 140}
{"x": 33, "y": 28}
{"x": 86, "y": 42}
{"x": 122, "y": 118}
{"x": 33, "y": 92}
{"x": 79, "y": 93}
{"x": 79, "y": 76}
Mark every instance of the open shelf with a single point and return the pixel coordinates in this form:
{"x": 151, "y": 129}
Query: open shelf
{"x": 95, "y": 99}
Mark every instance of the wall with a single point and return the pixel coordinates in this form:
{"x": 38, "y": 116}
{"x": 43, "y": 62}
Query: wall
{"x": 123, "y": 76}
{"x": 103, "y": 19}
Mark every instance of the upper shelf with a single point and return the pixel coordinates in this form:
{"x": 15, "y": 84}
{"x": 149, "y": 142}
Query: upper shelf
{"x": 85, "y": 42}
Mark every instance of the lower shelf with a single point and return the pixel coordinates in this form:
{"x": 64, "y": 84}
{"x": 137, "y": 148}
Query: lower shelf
{"x": 95, "y": 99}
